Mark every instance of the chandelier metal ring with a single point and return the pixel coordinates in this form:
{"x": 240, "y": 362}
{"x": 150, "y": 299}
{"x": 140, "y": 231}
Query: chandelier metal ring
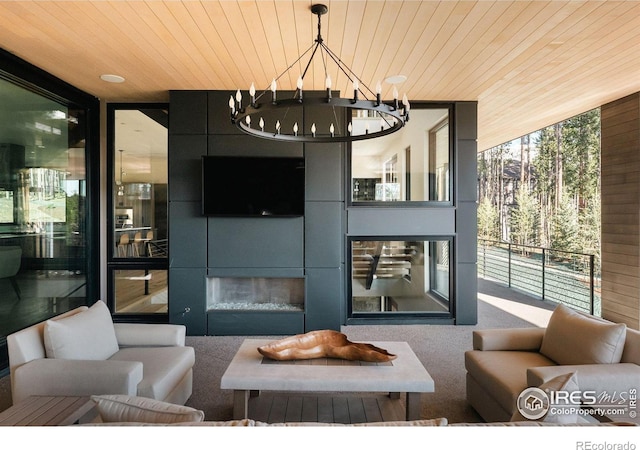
{"x": 392, "y": 115}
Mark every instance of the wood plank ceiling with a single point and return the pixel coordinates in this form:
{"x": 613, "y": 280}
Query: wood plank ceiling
{"x": 527, "y": 63}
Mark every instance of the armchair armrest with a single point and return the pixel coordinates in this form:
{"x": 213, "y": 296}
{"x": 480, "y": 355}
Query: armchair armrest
{"x": 515, "y": 339}
{"x": 609, "y": 378}
{"x": 49, "y": 376}
{"x": 150, "y": 335}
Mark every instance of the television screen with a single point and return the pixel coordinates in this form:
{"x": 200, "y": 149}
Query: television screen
{"x": 252, "y": 186}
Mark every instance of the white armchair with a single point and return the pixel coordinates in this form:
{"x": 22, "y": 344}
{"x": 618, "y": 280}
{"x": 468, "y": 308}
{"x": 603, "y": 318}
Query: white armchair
{"x": 82, "y": 352}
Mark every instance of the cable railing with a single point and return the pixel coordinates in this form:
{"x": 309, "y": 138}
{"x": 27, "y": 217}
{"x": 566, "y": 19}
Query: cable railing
{"x": 555, "y": 275}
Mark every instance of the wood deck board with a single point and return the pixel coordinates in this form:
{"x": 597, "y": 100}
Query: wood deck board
{"x": 325, "y": 408}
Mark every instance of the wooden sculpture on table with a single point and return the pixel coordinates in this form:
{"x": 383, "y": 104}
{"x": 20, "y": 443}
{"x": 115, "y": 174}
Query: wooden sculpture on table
{"x": 323, "y": 344}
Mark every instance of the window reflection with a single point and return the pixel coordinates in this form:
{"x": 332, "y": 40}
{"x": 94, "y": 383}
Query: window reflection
{"x": 42, "y": 207}
{"x": 411, "y": 165}
{"x": 395, "y": 276}
{"x": 141, "y": 291}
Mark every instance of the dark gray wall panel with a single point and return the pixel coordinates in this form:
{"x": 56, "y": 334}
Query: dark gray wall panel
{"x": 323, "y": 234}
{"x": 219, "y": 116}
{"x": 188, "y": 112}
{"x": 187, "y": 235}
{"x": 467, "y": 240}
{"x": 466, "y": 120}
{"x": 466, "y": 294}
{"x": 187, "y": 299}
{"x": 256, "y": 242}
{"x": 243, "y": 145}
{"x": 185, "y": 167}
{"x": 325, "y": 299}
{"x": 400, "y": 221}
{"x": 258, "y": 272}
{"x": 325, "y": 172}
{"x": 467, "y": 179}
{"x": 230, "y": 323}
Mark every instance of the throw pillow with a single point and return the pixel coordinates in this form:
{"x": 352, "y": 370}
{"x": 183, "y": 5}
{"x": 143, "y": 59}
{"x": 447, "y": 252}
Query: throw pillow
{"x": 575, "y": 338}
{"x": 125, "y": 408}
{"x": 556, "y": 413}
{"x": 86, "y": 335}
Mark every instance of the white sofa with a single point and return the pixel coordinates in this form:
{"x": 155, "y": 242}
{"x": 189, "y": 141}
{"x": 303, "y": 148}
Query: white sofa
{"x": 82, "y": 352}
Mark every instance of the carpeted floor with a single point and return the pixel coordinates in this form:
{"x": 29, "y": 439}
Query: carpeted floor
{"x": 440, "y": 348}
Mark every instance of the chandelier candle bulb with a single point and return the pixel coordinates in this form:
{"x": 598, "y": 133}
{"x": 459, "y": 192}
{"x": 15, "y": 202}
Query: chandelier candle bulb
{"x": 273, "y": 90}
{"x": 313, "y": 129}
{"x": 248, "y": 120}
{"x": 350, "y": 128}
{"x": 278, "y": 127}
{"x": 331, "y": 130}
{"x": 252, "y": 93}
{"x": 299, "y": 86}
{"x": 295, "y": 129}
{"x": 239, "y": 99}
{"x": 232, "y": 105}
{"x": 261, "y": 123}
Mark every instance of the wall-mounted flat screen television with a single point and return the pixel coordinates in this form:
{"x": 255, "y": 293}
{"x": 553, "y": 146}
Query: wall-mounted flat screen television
{"x": 238, "y": 186}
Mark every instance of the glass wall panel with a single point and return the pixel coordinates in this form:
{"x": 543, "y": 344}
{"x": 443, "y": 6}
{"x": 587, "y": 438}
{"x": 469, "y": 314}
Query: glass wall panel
{"x": 140, "y": 182}
{"x": 411, "y": 165}
{"x": 43, "y": 239}
{"x": 399, "y": 276}
{"x": 138, "y": 262}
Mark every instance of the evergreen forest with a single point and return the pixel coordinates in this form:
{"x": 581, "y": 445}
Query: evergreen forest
{"x": 543, "y": 189}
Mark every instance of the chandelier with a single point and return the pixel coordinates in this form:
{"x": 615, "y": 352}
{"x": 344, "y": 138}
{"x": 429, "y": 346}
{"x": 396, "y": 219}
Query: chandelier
{"x": 249, "y": 117}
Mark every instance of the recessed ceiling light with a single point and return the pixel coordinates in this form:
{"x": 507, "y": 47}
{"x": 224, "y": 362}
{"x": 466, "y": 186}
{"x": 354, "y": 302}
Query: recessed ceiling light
{"x": 112, "y": 78}
{"x": 396, "y": 79}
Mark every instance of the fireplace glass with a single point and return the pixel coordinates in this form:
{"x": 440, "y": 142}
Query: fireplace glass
{"x": 255, "y": 294}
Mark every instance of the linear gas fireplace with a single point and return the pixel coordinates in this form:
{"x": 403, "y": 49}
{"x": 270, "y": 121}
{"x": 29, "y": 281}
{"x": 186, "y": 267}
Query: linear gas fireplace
{"x": 255, "y": 305}
{"x": 255, "y": 294}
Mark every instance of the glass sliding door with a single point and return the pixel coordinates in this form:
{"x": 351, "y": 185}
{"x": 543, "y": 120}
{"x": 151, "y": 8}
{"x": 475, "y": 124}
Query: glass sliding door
{"x": 44, "y": 218}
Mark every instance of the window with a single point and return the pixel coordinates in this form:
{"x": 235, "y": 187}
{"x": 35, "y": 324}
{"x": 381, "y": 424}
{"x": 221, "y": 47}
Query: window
{"x": 411, "y": 165}
{"x": 138, "y": 262}
{"x": 399, "y": 276}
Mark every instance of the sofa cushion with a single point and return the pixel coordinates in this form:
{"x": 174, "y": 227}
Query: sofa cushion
{"x": 124, "y": 408}
{"x": 164, "y": 367}
{"x": 567, "y": 382}
{"x": 575, "y": 338}
{"x": 503, "y": 373}
{"x": 88, "y": 335}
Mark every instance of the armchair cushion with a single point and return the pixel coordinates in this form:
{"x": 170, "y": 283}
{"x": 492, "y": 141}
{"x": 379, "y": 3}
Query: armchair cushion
{"x": 88, "y": 335}
{"x": 574, "y": 338}
{"x": 125, "y": 408}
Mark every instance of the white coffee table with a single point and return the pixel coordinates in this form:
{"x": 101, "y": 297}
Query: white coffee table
{"x": 248, "y": 373}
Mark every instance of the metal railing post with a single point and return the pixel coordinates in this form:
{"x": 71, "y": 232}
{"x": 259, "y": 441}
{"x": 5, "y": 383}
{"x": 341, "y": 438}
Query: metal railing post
{"x": 591, "y": 287}
{"x": 509, "y": 267}
{"x": 543, "y": 264}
